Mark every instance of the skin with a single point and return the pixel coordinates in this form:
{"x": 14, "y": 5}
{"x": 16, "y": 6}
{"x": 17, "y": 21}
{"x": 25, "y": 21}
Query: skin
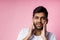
{"x": 38, "y": 26}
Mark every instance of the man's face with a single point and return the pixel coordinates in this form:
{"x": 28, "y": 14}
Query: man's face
{"x": 37, "y": 20}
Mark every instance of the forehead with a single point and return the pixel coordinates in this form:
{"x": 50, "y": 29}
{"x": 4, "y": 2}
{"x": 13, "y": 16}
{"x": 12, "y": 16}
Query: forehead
{"x": 40, "y": 14}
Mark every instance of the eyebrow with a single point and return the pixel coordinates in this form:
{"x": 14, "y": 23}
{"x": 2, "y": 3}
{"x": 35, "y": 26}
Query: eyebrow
{"x": 42, "y": 16}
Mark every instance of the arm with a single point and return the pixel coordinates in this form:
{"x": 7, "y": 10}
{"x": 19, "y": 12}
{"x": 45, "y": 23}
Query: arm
{"x": 44, "y": 22}
{"x": 29, "y": 33}
{"x": 22, "y": 34}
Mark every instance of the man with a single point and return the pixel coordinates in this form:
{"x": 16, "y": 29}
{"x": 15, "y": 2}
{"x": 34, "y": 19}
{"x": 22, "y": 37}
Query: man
{"x": 37, "y": 31}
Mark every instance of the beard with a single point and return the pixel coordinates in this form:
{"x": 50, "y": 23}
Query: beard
{"x": 38, "y": 27}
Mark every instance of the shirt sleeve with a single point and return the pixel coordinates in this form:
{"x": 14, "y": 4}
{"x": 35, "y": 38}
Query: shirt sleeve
{"x": 22, "y": 34}
{"x": 53, "y": 37}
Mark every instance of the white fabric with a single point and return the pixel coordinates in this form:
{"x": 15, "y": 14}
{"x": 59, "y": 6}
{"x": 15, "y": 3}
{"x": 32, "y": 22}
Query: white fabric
{"x": 23, "y": 34}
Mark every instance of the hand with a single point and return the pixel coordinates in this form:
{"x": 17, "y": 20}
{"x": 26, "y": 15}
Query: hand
{"x": 43, "y": 33}
{"x": 30, "y": 33}
{"x": 30, "y": 30}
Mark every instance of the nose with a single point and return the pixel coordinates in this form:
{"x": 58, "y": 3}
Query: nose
{"x": 39, "y": 20}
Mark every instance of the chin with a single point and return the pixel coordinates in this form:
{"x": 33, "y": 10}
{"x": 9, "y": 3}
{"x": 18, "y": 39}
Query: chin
{"x": 39, "y": 28}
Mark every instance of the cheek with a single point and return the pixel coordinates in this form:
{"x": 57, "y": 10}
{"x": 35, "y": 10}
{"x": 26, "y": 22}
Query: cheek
{"x": 34, "y": 21}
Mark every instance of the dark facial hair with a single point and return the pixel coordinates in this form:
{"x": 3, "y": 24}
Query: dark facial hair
{"x": 36, "y": 27}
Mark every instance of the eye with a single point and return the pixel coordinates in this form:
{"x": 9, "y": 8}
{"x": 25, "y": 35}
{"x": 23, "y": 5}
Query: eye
{"x": 44, "y": 18}
{"x": 36, "y": 17}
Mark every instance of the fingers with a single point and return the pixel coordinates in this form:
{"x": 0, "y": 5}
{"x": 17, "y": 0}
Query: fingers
{"x": 31, "y": 28}
{"x": 43, "y": 21}
{"x": 43, "y": 32}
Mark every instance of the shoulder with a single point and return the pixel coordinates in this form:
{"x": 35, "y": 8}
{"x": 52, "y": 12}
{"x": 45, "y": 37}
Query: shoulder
{"x": 51, "y": 36}
{"x": 24, "y": 30}
{"x": 23, "y": 33}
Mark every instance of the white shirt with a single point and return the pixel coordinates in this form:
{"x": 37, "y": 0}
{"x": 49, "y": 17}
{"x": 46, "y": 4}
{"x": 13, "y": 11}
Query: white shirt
{"x": 23, "y": 33}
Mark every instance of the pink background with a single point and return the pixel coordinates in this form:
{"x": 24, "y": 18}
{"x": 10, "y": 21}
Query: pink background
{"x": 16, "y": 15}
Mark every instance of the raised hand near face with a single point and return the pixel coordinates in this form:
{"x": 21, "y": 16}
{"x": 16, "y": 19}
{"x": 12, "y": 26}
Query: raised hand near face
{"x": 43, "y": 32}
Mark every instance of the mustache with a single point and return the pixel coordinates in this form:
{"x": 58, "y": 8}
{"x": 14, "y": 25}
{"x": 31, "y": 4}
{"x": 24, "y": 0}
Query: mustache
{"x": 39, "y": 22}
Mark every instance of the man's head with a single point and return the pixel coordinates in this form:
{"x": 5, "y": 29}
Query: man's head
{"x": 39, "y": 13}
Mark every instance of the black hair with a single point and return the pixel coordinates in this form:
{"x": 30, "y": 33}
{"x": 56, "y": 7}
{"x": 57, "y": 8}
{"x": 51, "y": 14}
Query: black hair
{"x": 40, "y": 9}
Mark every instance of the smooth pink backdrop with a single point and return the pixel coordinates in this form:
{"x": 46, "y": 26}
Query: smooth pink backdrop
{"x": 17, "y": 14}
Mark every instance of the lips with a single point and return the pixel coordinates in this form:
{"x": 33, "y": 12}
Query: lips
{"x": 38, "y": 24}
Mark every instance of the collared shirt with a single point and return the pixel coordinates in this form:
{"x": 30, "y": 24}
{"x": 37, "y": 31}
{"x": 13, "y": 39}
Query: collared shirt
{"x": 23, "y": 33}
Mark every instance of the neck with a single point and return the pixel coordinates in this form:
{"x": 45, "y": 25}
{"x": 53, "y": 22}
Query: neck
{"x": 37, "y": 32}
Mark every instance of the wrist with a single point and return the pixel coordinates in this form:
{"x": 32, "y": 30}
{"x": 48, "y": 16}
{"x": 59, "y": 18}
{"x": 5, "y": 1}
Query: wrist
{"x": 45, "y": 38}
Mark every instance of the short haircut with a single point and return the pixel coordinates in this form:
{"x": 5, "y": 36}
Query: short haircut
{"x": 40, "y": 9}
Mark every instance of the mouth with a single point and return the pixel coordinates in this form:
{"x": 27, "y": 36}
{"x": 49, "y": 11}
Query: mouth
{"x": 39, "y": 24}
